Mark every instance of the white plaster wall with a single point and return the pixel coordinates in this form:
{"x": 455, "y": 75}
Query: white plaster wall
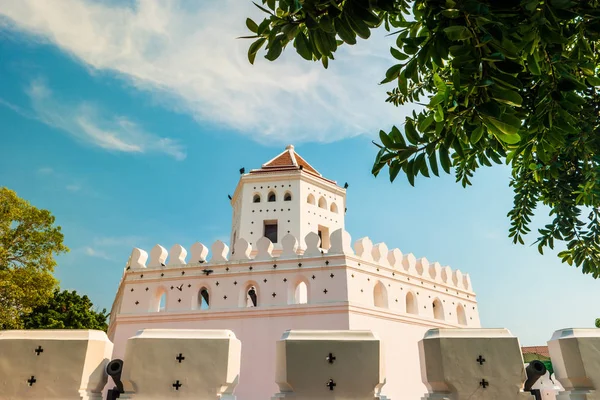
{"x": 257, "y": 333}
{"x": 401, "y": 351}
{"x": 312, "y": 215}
{"x": 296, "y": 217}
{"x": 252, "y": 215}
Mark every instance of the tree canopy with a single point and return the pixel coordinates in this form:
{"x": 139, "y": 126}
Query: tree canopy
{"x": 29, "y": 240}
{"x": 66, "y": 310}
{"x": 513, "y": 82}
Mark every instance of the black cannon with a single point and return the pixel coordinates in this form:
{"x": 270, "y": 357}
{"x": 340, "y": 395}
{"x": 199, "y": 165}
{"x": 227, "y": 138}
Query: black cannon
{"x": 114, "y": 370}
{"x": 535, "y": 370}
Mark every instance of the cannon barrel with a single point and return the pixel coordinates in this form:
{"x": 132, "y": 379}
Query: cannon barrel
{"x": 535, "y": 370}
{"x": 114, "y": 370}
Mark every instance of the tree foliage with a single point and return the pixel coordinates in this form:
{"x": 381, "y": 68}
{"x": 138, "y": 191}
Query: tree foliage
{"x": 597, "y": 322}
{"x": 512, "y": 82}
{"x": 66, "y": 310}
{"x": 29, "y": 240}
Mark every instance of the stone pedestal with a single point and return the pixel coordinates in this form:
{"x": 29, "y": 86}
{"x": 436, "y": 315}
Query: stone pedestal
{"x": 575, "y": 355}
{"x": 482, "y": 364}
{"x": 53, "y": 364}
{"x": 320, "y": 365}
{"x": 181, "y": 364}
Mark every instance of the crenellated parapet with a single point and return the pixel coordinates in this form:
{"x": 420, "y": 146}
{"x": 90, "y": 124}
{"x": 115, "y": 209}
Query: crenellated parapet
{"x": 363, "y": 249}
{"x": 360, "y": 273}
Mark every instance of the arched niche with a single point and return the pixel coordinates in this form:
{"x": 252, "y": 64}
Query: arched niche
{"x": 461, "y": 315}
{"x": 333, "y": 208}
{"x": 380, "y": 296}
{"x": 438, "y": 309}
{"x": 412, "y": 306}
{"x": 322, "y": 202}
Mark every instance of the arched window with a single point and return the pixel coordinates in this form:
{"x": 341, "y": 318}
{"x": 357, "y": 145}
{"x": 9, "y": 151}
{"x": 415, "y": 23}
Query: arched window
{"x": 460, "y": 314}
{"x": 256, "y": 198}
{"x": 411, "y": 304}
{"x": 380, "y": 298}
{"x": 251, "y": 296}
{"x": 301, "y": 293}
{"x": 322, "y": 203}
{"x": 161, "y": 300}
{"x": 203, "y": 299}
{"x": 438, "y": 309}
{"x": 310, "y": 199}
{"x": 272, "y": 197}
{"x": 287, "y": 196}
{"x": 333, "y": 208}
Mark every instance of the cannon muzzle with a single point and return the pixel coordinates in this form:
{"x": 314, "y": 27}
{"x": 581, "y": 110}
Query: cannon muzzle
{"x": 535, "y": 370}
{"x": 114, "y": 370}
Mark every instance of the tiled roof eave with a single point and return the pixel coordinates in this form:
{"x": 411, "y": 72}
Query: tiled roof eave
{"x": 288, "y": 169}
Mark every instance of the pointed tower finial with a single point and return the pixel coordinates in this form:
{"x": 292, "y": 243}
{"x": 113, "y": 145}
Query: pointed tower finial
{"x": 290, "y": 147}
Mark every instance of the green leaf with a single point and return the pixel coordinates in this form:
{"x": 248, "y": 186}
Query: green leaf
{"x": 410, "y": 174}
{"x": 457, "y": 32}
{"x": 509, "y": 97}
{"x": 477, "y": 134}
{"x": 433, "y": 163}
{"x": 275, "y": 49}
{"x": 396, "y": 136}
{"x": 251, "y": 25}
{"x": 421, "y": 165}
{"x": 494, "y": 57}
{"x": 344, "y": 31}
{"x": 593, "y": 80}
{"x": 253, "y": 49}
{"x": 394, "y": 169}
{"x": 397, "y": 54}
{"x": 502, "y": 131}
{"x": 445, "y": 159}
{"x": 358, "y": 26}
{"x": 426, "y": 122}
{"x": 502, "y": 126}
{"x": 411, "y": 133}
{"x": 439, "y": 83}
{"x": 392, "y": 73}
{"x": 385, "y": 139}
{"x": 302, "y": 46}
{"x": 534, "y": 66}
{"x": 438, "y": 115}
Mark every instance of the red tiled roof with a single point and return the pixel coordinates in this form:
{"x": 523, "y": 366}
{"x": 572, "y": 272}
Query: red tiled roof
{"x": 288, "y": 160}
{"x": 540, "y": 350}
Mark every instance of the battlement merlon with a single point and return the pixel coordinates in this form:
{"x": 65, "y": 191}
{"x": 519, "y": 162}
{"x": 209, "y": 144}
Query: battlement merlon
{"x": 364, "y": 254}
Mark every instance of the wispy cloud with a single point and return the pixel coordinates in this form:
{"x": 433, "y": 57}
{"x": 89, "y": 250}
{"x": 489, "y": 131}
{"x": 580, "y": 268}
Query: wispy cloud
{"x": 88, "y": 124}
{"x": 45, "y": 171}
{"x": 186, "y": 55}
{"x": 96, "y": 253}
{"x": 118, "y": 241}
{"x": 104, "y": 246}
{"x": 73, "y": 188}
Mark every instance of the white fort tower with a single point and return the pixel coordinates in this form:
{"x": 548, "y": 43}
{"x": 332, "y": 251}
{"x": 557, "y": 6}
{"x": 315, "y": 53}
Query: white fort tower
{"x": 292, "y": 265}
{"x": 286, "y": 196}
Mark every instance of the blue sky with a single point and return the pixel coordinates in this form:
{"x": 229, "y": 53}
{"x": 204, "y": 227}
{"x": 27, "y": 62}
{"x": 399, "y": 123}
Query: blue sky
{"x": 130, "y": 120}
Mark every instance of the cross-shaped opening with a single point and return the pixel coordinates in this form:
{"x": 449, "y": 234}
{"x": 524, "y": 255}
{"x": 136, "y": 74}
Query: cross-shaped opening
{"x": 31, "y": 380}
{"x": 180, "y": 358}
{"x": 331, "y": 384}
{"x": 480, "y": 360}
{"x": 177, "y": 385}
{"x": 484, "y": 383}
{"x": 39, "y": 350}
{"x": 330, "y": 358}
